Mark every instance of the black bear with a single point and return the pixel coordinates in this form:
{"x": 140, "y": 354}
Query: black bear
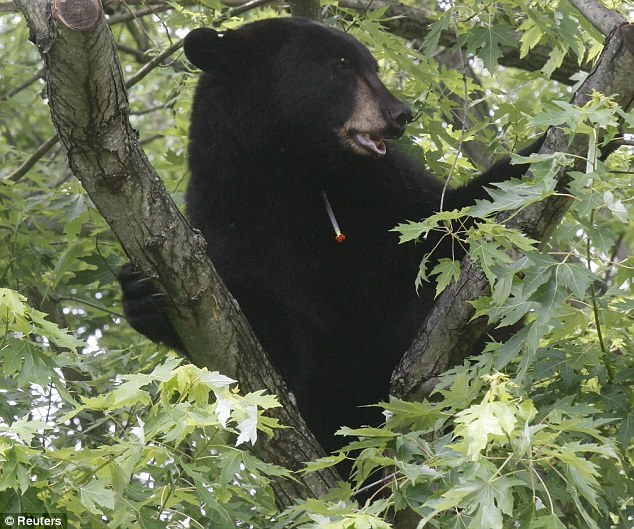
{"x": 289, "y": 142}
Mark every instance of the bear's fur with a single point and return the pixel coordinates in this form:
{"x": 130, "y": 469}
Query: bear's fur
{"x": 287, "y": 110}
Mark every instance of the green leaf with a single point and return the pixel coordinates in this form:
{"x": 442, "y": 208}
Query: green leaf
{"x": 485, "y": 41}
{"x": 13, "y": 302}
{"x": 95, "y": 496}
{"x": 248, "y": 427}
{"x": 434, "y": 31}
{"x": 149, "y": 519}
{"x": 26, "y": 429}
{"x": 410, "y": 231}
{"x": 422, "y": 276}
{"x": 575, "y": 277}
{"x": 512, "y": 195}
{"x": 532, "y": 34}
{"x": 413, "y": 231}
{"x": 231, "y": 466}
{"x": 447, "y": 271}
{"x": 450, "y": 499}
{"x": 324, "y": 462}
{"x": 488, "y": 254}
{"x": 479, "y": 423}
{"x": 616, "y": 206}
{"x": 127, "y": 394}
{"x": 549, "y": 521}
{"x": 488, "y": 516}
{"x": 625, "y": 432}
{"x": 99, "y": 269}
{"x": 60, "y": 337}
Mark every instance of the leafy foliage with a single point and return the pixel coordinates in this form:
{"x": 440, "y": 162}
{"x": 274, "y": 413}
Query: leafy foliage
{"x": 150, "y": 450}
{"x": 535, "y": 433}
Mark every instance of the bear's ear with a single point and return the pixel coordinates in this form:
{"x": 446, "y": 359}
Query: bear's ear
{"x": 209, "y": 50}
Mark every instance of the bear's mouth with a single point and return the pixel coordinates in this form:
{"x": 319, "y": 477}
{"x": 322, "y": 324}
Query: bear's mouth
{"x": 370, "y": 141}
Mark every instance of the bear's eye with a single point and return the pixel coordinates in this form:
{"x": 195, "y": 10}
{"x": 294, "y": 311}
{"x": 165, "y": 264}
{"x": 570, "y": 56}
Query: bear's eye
{"x": 344, "y": 63}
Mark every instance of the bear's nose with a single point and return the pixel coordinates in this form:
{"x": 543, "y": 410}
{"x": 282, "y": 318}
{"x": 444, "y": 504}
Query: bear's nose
{"x": 401, "y": 115}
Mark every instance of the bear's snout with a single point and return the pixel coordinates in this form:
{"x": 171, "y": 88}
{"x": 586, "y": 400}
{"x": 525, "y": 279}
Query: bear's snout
{"x": 400, "y": 115}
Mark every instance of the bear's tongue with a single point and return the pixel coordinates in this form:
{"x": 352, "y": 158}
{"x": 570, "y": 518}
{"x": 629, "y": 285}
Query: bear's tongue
{"x": 373, "y": 143}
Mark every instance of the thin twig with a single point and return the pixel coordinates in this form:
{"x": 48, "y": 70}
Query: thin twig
{"x": 595, "y": 305}
{"x": 234, "y": 11}
{"x": 38, "y": 75}
{"x": 27, "y": 164}
{"x": 463, "y": 130}
{"x": 375, "y": 484}
{"x": 91, "y": 304}
{"x": 139, "y": 55}
{"x": 147, "y": 68}
{"x": 132, "y": 15}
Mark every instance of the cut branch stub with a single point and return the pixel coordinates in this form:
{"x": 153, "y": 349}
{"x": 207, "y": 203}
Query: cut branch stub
{"x": 77, "y": 15}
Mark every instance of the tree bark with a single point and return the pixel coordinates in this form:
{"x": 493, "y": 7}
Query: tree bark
{"x": 306, "y": 9}
{"x": 448, "y": 335}
{"x": 89, "y": 108}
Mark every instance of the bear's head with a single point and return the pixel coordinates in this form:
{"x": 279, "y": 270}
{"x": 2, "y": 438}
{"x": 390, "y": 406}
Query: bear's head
{"x": 313, "y": 86}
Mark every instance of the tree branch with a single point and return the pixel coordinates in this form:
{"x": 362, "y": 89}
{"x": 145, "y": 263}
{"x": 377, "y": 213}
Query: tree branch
{"x": 602, "y": 18}
{"x": 28, "y": 164}
{"x": 89, "y": 108}
{"x": 414, "y": 23}
{"x": 16, "y": 90}
{"x": 306, "y": 8}
{"x": 448, "y": 334}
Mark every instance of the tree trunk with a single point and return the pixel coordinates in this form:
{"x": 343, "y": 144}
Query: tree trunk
{"x": 448, "y": 334}
{"x": 89, "y": 108}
